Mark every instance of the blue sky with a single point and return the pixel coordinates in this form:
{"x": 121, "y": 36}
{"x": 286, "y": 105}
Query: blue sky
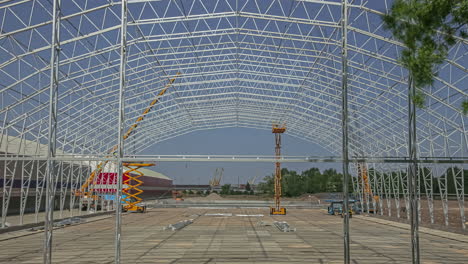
{"x": 240, "y": 141}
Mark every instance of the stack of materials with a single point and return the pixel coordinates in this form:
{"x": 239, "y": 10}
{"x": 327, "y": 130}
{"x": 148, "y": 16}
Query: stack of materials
{"x": 284, "y": 226}
{"x": 179, "y": 225}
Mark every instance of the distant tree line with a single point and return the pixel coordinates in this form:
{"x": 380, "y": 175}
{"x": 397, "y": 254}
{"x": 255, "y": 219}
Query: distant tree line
{"x": 309, "y": 181}
{"x": 314, "y": 181}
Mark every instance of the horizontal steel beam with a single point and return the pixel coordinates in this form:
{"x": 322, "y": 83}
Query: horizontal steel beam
{"x": 247, "y": 158}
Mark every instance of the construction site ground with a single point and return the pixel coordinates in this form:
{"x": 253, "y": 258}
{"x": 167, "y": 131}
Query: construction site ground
{"x": 234, "y": 235}
{"x": 320, "y": 200}
{"x": 454, "y": 216}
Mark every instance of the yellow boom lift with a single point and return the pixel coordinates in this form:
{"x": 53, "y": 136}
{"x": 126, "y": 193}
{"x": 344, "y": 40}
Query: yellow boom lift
{"x": 89, "y": 181}
{"x": 277, "y": 209}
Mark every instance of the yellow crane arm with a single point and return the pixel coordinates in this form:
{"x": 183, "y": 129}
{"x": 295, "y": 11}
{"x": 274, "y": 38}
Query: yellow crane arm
{"x": 102, "y": 164}
{"x": 148, "y": 109}
{"x": 216, "y": 180}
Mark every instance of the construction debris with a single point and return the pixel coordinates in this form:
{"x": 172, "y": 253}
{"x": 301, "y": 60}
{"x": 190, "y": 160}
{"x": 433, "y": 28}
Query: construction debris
{"x": 62, "y": 223}
{"x": 284, "y": 226}
{"x": 218, "y": 214}
{"x": 178, "y": 225}
{"x": 230, "y": 214}
{"x": 250, "y": 215}
{"x": 194, "y": 216}
{"x": 263, "y": 223}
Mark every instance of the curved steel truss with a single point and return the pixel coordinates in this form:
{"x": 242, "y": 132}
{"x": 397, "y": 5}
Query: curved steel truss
{"x": 242, "y": 63}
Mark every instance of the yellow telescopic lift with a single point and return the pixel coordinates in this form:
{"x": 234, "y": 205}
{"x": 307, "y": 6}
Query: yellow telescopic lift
{"x": 132, "y": 191}
{"x": 366, "y": 187}
{"x": 277, "y": 209}
{"x": 362, "y": 170}
{"x": 89, "y": 181}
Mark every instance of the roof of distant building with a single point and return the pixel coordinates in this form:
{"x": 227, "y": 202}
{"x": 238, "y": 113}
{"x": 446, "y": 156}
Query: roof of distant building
{"x": 154, "y": 174}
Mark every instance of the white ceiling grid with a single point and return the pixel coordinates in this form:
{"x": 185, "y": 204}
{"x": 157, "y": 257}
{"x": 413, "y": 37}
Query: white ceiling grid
{"x": 242, "y": 63}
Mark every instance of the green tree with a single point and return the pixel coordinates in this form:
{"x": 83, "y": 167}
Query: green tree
{"x": 293, "y": 184}
{"x": 465, "y": 107}
{"x": 427, "y": 28}
{"x": 247, "y": 187}
{"x": 312, "y": 180}
{"x": 267, "y": 185}
{"x": 333, "y": 181}
{"x": 225, "y": 189}
{"x": 309, "y": 181}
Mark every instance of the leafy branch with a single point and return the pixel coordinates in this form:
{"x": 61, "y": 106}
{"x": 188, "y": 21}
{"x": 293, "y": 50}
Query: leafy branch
{"x": 427, "y": 28}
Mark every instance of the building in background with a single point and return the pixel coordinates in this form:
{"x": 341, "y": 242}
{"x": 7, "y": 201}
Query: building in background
{"x": 22, "y": 182}
{"x": 155, "y": 184}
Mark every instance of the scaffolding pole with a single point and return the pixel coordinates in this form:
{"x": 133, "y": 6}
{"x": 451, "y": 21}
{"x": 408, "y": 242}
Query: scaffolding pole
{"x": 51, "y": 151}
{"x": 344, "y": 117}
{"x": 413, "y": 174}
{"x": 121, "y": 124}
{"x": 278, "y": 210}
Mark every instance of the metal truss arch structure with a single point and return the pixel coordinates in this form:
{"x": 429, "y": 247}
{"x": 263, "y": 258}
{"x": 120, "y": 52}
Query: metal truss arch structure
{"x": 242, "y": 63}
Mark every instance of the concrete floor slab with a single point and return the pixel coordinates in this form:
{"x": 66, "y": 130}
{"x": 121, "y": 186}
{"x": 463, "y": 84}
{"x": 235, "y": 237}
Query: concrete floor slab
{"x": 235, "y": 239}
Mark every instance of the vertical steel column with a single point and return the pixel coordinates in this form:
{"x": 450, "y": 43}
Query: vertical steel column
{"x": 9, "y": 175}
{"x": 428, "y": 176}
{"x": 2, "y": 133}
{"x": 418, "y": 193}
{"x": 81, "y": 177}
{"x": 413, "y": 173}
{"x": 27, "y": 180}
{"x": 120, "y": 149}
{"x": 404, "y": 187}
{"x": 442, "y": 182}
{"x": 386, "y": 182}
{"x": 375, "y": 188}
{"x": 344, "y": 117}
{"x": 40, "y": 178}
{"x": 58, "y": 179}
{"x": 396, "y": 191}
{"x": 458, "y": 181}
{"x": 73, "y": 186}
{"x": 51, "y": 151}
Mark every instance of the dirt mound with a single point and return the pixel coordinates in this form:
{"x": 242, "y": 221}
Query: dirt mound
{"x": 213, "y": 196}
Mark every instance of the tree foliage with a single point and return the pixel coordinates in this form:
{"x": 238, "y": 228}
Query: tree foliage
{"x": 225, "y": 189}
{"x": 427, "y": 28}
{"x": 247, "y": 187}
{"x": 309, "y": 181}
{"x": 465, "y": 107}
{"x": 313, "y": 181}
